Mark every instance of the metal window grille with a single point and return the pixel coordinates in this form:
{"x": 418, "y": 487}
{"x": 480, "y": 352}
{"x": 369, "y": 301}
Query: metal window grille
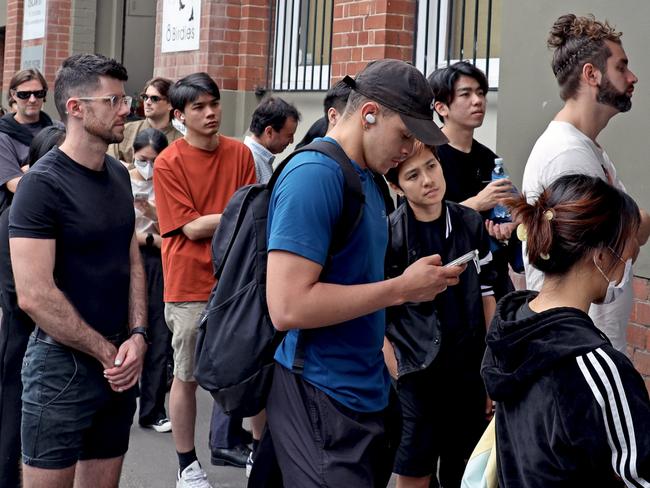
{"x": 453, "y": 30}
{"x": 300, "y": 45}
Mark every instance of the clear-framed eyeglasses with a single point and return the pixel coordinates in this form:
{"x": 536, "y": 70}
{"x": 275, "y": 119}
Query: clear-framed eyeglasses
{"x": 115, "y": 101}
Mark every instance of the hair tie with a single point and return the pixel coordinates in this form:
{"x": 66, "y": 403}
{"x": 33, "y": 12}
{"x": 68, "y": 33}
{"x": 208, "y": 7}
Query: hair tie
{"x": 522, "y": 232}
{"x": 549, "y": 214}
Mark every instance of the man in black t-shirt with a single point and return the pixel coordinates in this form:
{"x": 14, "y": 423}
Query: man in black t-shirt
{"x": 79, "y": 276}
{"x": 460, "y": 100}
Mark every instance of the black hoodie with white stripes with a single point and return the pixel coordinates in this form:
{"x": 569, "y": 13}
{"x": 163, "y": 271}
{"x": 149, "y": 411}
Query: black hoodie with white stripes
{"x": 571, "y": 410}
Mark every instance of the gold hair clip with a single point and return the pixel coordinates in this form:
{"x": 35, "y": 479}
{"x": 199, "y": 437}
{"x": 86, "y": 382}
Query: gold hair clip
{"x": 522, "y": 232}
{"x": 549, "y": 215}
{"x": 545, "y": 256}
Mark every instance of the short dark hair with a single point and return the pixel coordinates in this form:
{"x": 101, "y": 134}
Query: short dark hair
{"x": 46, "y": 139}
{"x": 150, "y": 137}
{"x": 79, "y": 75}
{"x": 337, "y": 97}
{"x": 160, "y": 84}
{"x": 274, "y": 112}
{"x": 577, "y": 41}
{"x": 188, "y": 89}
{"x": 392, "y": 175}
{"x": 586, "y": 213}
{"x": 443, "y": 80}
{"x": 25, "y": 75}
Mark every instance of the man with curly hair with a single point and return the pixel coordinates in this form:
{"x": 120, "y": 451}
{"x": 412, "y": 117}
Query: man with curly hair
{"x": 595, "y": 82}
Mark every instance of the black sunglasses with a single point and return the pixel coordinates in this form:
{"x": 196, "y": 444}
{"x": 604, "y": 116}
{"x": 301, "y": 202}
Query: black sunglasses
{"x": 25, "y": 94}
{"x": 153, "y": 98}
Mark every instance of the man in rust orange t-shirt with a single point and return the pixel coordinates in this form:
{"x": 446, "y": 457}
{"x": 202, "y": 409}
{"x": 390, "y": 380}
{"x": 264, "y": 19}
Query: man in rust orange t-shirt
{"x": 193, "y": 180}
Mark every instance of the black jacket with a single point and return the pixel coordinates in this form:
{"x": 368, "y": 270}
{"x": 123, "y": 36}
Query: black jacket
{"x": 414, "y": 332}
{"x": 13, "y": 129}
{"x": 571, "y": 410}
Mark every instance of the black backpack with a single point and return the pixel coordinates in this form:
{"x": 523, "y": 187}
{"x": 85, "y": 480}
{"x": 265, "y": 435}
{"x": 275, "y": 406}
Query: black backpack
{"x": 236, "y": 340}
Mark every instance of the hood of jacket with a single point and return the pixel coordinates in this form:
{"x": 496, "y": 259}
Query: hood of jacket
{"x": 19, "y": 132}
{"x": 520, "y": 351}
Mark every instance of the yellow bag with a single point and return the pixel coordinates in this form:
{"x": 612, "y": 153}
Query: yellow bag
{"x": 481, "y": 469}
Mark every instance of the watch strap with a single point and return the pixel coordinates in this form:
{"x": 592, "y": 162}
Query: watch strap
{"x": 142, "y": 331}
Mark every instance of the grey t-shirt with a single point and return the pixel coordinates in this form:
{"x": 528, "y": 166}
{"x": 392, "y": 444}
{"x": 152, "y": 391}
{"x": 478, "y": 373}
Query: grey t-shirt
{"x": 13, "y": 154}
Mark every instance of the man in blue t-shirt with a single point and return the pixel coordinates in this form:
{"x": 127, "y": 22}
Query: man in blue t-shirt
{"x": 328, "y": 423}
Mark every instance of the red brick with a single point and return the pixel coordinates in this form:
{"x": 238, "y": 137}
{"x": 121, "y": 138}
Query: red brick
{"x": 371, "y": 53}
{"x": 636, "y": 336}
{"x": 363, "y": 38}
{"x": 641, "y": 360}
{"x": 642, "y": 312}
{"x": 339, "y": 55}
{"x": 343, "y": 25}
{"x": 640, "y": 288}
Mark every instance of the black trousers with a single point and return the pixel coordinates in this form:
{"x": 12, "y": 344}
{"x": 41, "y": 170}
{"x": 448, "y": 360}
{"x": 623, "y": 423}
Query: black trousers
{"x": 226, "y": 431}
{"x": 317, "y": 442}
{"x": 153, "y": 384}
{"x": 14, "y": 335}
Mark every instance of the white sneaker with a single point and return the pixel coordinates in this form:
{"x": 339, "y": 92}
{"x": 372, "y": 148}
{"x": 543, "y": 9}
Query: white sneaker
{"x": 161, "y": 425}
{"x": 249, "y": 465}
{"x": 193, "y": 477}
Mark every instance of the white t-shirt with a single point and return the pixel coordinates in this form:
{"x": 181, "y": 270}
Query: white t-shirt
{"x": 560, "y": 150}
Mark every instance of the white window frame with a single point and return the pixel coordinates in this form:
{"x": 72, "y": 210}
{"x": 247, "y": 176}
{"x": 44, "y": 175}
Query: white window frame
{"x": 432, "y": 21}
{"x": 297, "y": 77}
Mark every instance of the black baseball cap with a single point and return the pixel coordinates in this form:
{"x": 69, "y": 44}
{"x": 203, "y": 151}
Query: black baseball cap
{"x": 400, "y": 87}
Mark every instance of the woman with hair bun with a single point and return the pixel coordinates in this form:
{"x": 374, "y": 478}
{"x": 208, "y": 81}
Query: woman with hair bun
{"x": 571, "y": 410}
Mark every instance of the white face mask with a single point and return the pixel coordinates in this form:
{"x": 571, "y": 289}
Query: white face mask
{"x": 613, "y": 290}
{"x": 145, "y": 168}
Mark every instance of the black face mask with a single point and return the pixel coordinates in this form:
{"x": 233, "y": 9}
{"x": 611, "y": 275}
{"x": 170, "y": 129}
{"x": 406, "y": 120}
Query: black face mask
{"x": 609, "y": 95}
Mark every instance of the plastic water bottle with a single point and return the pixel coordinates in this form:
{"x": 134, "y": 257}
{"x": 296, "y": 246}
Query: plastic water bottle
{"x": 498, "y": 173}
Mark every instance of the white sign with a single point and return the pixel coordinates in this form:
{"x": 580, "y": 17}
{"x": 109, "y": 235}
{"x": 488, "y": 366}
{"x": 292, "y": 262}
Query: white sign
{"x": 32, "y": 57}
{"x": 34, "y": 19}
{"x": 181, "y": 21}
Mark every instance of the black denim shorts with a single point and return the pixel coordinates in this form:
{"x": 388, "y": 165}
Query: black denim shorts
{"x": 69, "y": 411}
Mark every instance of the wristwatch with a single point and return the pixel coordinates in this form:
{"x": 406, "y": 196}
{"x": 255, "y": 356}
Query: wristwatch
{"x": 142, "y": 331}
{"x": 149, "y": 240}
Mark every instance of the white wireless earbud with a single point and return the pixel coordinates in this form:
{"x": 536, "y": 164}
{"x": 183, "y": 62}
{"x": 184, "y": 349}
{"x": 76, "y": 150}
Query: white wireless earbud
{"x": 370, "y": 118}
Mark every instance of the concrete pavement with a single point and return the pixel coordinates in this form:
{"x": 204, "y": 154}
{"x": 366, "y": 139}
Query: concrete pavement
{"x": 151, "y": 461}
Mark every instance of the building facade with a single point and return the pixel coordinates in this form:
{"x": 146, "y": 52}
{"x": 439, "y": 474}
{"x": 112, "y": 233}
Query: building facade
{"x": 297, "y": 48}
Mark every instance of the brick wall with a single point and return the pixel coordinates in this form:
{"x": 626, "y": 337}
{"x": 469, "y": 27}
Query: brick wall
{"x": 13, "y": 44}
{"x": 233, "y": 45}
{"x": 638, "y": 331}
{"x": 365, "y": 30}
{"x": 57, "y": 37}
{"x": 56, "y": 43}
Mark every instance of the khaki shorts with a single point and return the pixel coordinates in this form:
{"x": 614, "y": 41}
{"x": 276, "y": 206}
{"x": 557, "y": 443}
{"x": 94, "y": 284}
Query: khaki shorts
{"x": 183, "y": 319}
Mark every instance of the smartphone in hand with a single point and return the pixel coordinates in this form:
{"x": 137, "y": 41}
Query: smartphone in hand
{"x": 465, "y": 258}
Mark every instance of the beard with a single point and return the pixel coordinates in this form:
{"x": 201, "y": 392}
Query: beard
{"x": 609, "y": 95}
{"x": 94, "y": 126}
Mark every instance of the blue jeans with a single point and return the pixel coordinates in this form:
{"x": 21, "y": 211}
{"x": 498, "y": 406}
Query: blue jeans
{"x": 70, "y": 412}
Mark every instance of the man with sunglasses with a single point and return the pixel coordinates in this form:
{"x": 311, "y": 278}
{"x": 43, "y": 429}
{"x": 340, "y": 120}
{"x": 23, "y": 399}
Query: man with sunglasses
{"x": 158, "y": 115}
{"x": 28, "y": 88}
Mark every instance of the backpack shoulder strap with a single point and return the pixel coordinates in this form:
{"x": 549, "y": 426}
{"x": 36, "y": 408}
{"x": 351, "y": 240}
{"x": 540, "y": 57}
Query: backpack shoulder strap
{"x": 353, "y": 197}
{"x": 351, "y": 214}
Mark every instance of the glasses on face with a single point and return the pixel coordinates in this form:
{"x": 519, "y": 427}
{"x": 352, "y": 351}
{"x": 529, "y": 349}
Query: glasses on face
{"x": 153, "y": 98}
{"x": 26, "y": 94}
{"x": 115, "y": 101}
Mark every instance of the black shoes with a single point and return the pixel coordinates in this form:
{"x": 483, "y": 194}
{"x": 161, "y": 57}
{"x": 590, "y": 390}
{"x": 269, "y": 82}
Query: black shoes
{"x": 236, "y": 456}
